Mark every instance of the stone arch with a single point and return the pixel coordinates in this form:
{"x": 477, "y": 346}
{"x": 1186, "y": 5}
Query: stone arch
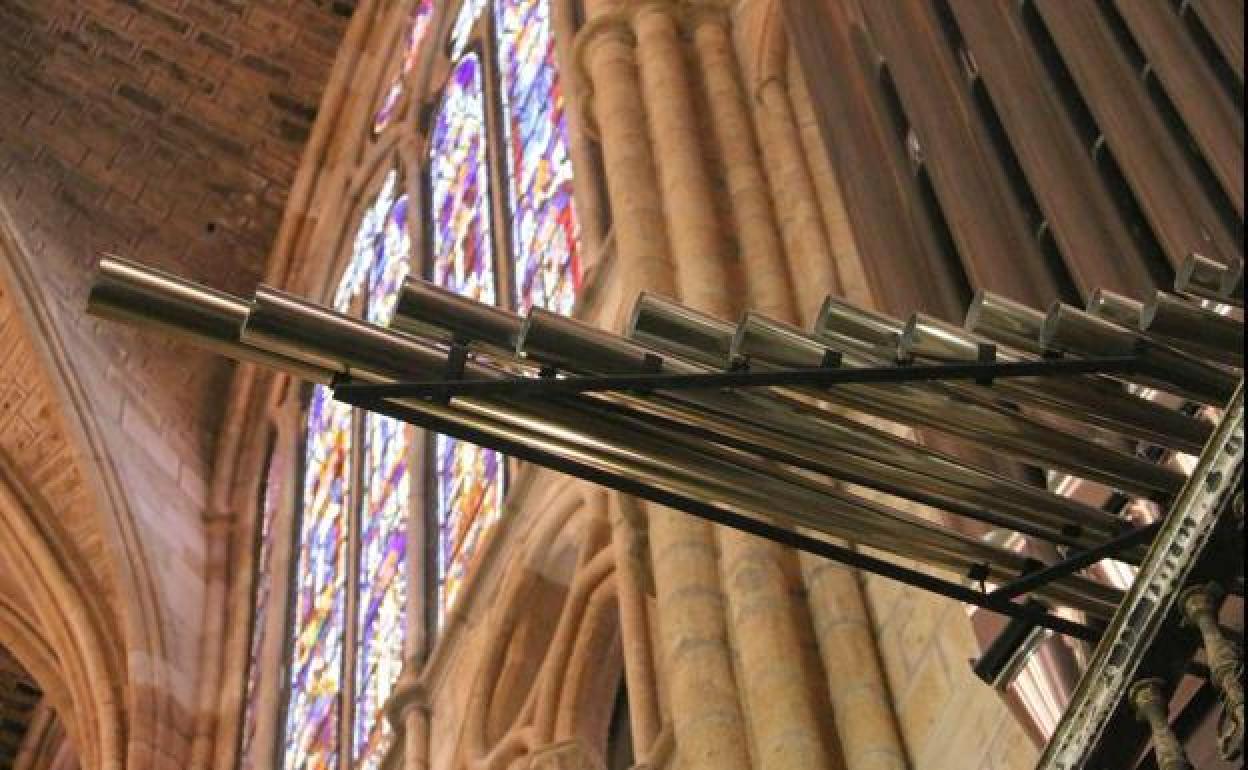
{"x": 542, "y": 664}
{"x": 102, "y": 595}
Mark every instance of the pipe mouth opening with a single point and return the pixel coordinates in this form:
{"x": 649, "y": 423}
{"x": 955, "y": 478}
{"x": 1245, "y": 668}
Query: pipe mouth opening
{"x": 1050, "y": 327}
{"x": 522, "y": 336}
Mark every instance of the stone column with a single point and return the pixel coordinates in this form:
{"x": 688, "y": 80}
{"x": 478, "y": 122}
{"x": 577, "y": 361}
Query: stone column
{"x": 611, "y": 94}
{"x": 861, "y": 702}
{"x": 762, "y": 253}
{"x": 781, "y": 715}
{"x": 849, "y": 266}
{"x": 693, "y": 640}
{"x": 587, "y": 183}
{"x": 810, "y": 259}
{"x": 628, "y": 541}
{"x": 408, "y": 713}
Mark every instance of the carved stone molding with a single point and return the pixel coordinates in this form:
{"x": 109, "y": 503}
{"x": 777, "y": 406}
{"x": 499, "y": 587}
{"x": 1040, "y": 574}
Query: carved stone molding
{"x": 566, "y": 755}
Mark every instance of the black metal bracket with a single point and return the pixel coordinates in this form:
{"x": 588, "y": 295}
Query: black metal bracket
{"x": 825, "y": 376}
{"x": 1030, "y": 581}
{"x": 377, "y": 401}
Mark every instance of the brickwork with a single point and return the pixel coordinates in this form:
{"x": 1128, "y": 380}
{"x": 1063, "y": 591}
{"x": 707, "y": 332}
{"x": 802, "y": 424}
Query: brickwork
{"x": 165, "y": 130}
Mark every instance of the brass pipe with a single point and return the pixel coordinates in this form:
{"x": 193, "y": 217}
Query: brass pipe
{"x": 852, "y": 327}
{"x": 1093, "y": 400}
{"x": 289, "y": 326}
{"x": 1193, "y": 329}
{"x": 426, "y": 309}
{"x": 1202, "y": 277}
{"x": 815, "y": 439}
{"x": 1003, "y": 320}
{"x": 284, "y": 323}
{"x": 127, "y": 291}
{"x": 765, "y": 340}
{"x": 684, "y": 332}
{"x": 1115, "y": 308}
{"x": 1071, "y": 330}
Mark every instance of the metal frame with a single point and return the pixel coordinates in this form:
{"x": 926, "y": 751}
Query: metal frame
{"x": 1184, "y": 537}
{"x": 377, "y": 398}
{"x": 981, "y": 372}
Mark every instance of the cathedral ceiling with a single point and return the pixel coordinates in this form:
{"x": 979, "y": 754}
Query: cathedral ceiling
{"x": 166, "y": 130}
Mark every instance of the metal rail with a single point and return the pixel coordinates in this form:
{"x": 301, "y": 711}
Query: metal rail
{"x": 366, "y": 398}
{"x": 983, "y": 372}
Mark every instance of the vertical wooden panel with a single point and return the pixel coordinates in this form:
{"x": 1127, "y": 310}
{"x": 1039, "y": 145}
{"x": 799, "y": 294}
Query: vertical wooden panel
{"x": 1098, "y": 250}
{"x": 1224, "y": 20}
{"x": 905, "y": 264}
{"x": 997, "y": 250}
{"x": 1159, "y": 175}
{"x": 1213, "y": 121}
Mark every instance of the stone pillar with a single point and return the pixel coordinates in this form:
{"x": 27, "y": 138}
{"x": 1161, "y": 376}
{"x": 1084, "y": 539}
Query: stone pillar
{"x": 611, "y": 93}
{"x": 408, "y": 713}
{"x": 693, "y": 639}
{"x": 628, "y": 541}
{"x": 810, "y": 260}
{"x": 762, "y": 253}
{"x": 861, "y": 702}
{"x": 587, "y": 183}
{"x": 849, "y": 266}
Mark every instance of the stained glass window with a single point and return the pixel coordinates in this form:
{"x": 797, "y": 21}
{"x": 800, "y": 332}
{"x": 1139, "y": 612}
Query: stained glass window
{"x": 546, "y": 266}
{"x": 382, "y": 589}
{"x": 263, "y": 586}
{"x": 469, "y": 480}
{"x": 422, "y": 14}
{"x": 379, "y": 262}
{"x": 313, "y": 712}
{"x": 461, "y": 33}
{"x": 459, "y": 187}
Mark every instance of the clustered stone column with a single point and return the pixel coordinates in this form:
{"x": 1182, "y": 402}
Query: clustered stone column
{"x": 801, "y": 220}
{"x": 695, "y": 657}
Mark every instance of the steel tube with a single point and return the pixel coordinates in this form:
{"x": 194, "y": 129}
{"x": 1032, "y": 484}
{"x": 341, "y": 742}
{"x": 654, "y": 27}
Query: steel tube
{"x": 843, "y": 444}
{"x": 1202, "y": 277}
{"x": 1003, "y": 320}
{"x": 1115, "y": 308}
{"x": 769, "y": 341}
{"x": 1093, "y": 400}
{"x": 286, "y": 323}
{"x": 706, "y": 472}
{"x": 127, "y": 291}
{"x": 428, "y": 310}
{"x": 1071, "y": 330}
{"x": 852, "y": 327}
{"x": 657, "y": 321}
{"x": 1194, "y": 329}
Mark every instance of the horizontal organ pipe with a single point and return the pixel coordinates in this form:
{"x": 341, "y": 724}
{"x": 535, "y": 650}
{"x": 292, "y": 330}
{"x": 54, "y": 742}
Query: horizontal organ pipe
{"x": 741, "y": 451}
{"x": 1070, "y": 330}
{"x": 1093, "y": 400}
{"x": 290, "y": 326}
{"x": 773, "y": 343}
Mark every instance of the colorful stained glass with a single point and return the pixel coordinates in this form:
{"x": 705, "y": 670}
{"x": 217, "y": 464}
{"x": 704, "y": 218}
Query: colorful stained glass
{"x": 459, "y": 187}
{"x": 461, "y": 33}
{"x": 422, "y": 14}
{"x": 383, "y": 585}
{"x": 470, "y": 502}
{"x": 260, "y": 607}
{"x": 469, "y": 479}
{"x": 314, "y": 709}
{"x": 544, "y": 226}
